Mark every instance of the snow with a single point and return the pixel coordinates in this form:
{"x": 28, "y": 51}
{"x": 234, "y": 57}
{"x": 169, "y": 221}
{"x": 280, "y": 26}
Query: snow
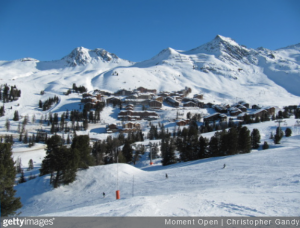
{"x": 262, "y": 183}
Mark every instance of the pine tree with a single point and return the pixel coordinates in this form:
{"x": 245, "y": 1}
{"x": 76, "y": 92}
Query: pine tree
{"x": 169, "y": 152}
{"x": 214, "y": 146}
{"x": 288, "y": 132}
{"x": 82, "y": 144}
{"x": 278, "y": 135}
{"x": 61, "y": 162}
{"x": 233, "y": 141}
{"x": 244, "y": 140}
{"x": 30, "y": 164}
{"x": 22, "y": 178}
{"x": 68, "y": 139}
{"x": 265, "y": 146}
{"x": 9, "y": 203}
{"x": 255, "y": 138}
{"x": 127, "y": 151}
{"x": 16, "y": 116}
{"x": 7, "y": 124}
{"x": 203, "y": 147}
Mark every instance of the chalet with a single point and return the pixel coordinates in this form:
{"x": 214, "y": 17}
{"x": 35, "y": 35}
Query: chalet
{"x": 145, "y": 96}
{"x": 199, "y": 96}
{"x": 223, "y": 117}
{"x": 182, "y": 122}
{"x": 88, "y": 100}
{"x": 164, "y": 94}
{"x": 190, "y": 104}
{"x": 241, "y": 116}
{"x": 132, "y": 96}
{"x": 258, "y": 113}
{"x": 102, "y": 92}
{"x": 113, "y": 100}
{"x": 123, "y": 92}
{"x": 215, "y": 116}
{"x": 144, "y": 90}
{"x": 233, "y": 111}
{"x": 129, "y": 107}
{"x": 131, "y": 126}
{"x": 112, "y": 128}
{"x": 86, "y": 95}
{"x": 158, "y": 98}
{"x": 136, "y": 101}
{"x": 270, "y": 110}
{"x": 172, "y": 102}
{"x": 255, "y": 107}
{"x": 242, "y": 108}
{"x": 137, "y": 115}
{"x": 244, "y": 104}
{"x": 201, "y": 104}
{"x": 155, "y": 104}
{"x": 221, "y": 108}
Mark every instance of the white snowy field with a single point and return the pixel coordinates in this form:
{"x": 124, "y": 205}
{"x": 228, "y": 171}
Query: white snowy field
{"x": 261, "y": 183}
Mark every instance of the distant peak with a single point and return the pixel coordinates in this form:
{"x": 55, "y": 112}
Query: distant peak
{"x": 226, "y": 39}
{"x": 83, "y": 56}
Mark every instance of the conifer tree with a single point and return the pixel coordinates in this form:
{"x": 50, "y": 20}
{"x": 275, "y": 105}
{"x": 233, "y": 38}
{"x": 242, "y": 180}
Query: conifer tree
{"x": 9, "y": 203}
{"x": 203, "y": 147}
{"x": 233, "y": 141}
{"x": 82, "y": 144}
{"x": 22, "y": 178}
{"x": 265, "y": 146}
{"x": 127, "y": 151}
{"x": 255, "y": 138}
{"x": 16, "y": 116}
{"x": 288, "y": 132}
{"x": 169, "y": 152}
{"x": 7, "y": 124}
{"x": 278, "y": 135}
{"x": 244, "y": 140}
{"x": 30, "y": 164}
{"x": 61, "y": 162}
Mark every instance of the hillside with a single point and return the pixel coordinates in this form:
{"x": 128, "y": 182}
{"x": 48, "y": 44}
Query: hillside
{"x": 262, "y": 183}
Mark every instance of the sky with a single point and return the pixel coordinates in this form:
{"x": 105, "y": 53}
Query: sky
{"x": 137, "y": 30}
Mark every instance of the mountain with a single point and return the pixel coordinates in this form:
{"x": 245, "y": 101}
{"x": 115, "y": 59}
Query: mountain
{"x": 82, "y": 56}
{"x": 222, "y": 69}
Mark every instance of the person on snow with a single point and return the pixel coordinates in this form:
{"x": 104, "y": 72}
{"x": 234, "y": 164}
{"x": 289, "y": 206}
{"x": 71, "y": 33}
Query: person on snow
{"x": 224, "y": 166}
{"x": 103, "y": 194}
{"x": 166, "y": 176}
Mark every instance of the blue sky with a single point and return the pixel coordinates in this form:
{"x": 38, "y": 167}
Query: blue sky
{"x": 138, "y": 29}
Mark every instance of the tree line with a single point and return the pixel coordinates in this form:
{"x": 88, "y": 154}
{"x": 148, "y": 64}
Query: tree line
{"x": 9, "y": 93}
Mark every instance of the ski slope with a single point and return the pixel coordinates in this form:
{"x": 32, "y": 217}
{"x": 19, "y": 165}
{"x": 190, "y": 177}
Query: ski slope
{"x": 261, "y": 183}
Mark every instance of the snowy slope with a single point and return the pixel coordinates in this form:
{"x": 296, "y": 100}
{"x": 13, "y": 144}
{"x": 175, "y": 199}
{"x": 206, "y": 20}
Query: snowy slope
{"x": 262, "y": 183}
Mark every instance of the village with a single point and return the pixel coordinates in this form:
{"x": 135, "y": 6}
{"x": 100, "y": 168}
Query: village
{"x": 145, "y": 105}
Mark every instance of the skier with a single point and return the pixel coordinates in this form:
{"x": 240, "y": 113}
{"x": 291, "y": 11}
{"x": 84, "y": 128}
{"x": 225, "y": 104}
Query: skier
{"x": 166, "y": 176}
{"x": 224, "y": 166}
{"x": 103, "y": 194}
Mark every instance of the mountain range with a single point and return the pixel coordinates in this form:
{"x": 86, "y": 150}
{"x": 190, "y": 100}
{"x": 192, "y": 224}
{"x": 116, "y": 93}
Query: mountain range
{"x": 221, "y": 69}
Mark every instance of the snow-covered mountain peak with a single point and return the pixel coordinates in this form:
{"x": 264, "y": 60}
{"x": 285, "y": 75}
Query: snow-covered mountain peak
{"x": 83, "y": 56}
{"x": 225, "y": 49}
{"x": 222, "y": 39}
{"x": 167, "y": 52}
